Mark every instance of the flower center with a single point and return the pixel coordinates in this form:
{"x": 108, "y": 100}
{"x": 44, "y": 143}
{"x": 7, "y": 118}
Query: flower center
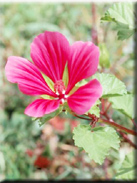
{"x": 59, "y": 89}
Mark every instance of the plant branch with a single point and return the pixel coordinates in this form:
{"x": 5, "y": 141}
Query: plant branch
{"x": 107, "y": 107}
{"x": 111, "y": 123}
{"x": 127, "y": 139}
{"x": 134, "y": 122}
{"x": 103, "y": 105}
{"x": 115, "y": 125}
{"x": 81, "y": 117}
{"x": 105, "y": 166}
{"x": 94, "y": 33}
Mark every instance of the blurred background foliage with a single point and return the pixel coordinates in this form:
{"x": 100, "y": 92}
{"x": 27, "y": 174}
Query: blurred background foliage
{"x": 28, "y": 151}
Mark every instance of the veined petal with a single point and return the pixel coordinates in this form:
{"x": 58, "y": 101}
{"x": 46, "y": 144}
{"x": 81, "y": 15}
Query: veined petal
{"x": 50, "y": 52}
{"x": 83, "y": 62}
{"x": 30, "y": 80}
{"x": 40, "y": 107}
{"x": 85, "y": 97}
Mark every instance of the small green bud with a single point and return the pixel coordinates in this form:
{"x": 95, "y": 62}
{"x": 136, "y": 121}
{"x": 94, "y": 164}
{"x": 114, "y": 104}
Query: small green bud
{"x": 104, "y": 59}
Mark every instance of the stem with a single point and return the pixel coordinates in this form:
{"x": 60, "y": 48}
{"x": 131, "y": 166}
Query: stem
{"x": 115, "y": 125}
{"x": 94, "y": 33}
{"x": 105, "y": 168}
{"x": 127, "y": 139}
{"x": 111, "y": 123}
{"x": 103, "y": 105}
{"x": 81, "y": 117}
{"x": 106, "y": 32}
{"x": 118, "y": 63}
{"x": 107, "y": 107}
{"x": 134, "y": 122}
{"x": 105, "y": 115}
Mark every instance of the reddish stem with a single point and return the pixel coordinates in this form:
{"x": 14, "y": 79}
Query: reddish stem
{"x": 105, "y": 168}
{"x": 111, "y": 123}
{"x": 107, "y": 107}
{"x": 81, "y": 117}
{"x": 105, "y": 115}
{"x": 127, "y": 139}
{"x": 103, "y": 106}
{"x": 134, "y": 122}
{"x": 115, "y": 125}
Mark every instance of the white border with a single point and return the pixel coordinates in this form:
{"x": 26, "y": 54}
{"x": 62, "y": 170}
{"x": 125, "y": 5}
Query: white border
{"x": 65, "y": 1}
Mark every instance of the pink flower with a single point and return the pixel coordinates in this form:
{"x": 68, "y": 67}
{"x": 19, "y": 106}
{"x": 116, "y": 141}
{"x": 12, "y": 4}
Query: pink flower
{"x": 50, "y": 52}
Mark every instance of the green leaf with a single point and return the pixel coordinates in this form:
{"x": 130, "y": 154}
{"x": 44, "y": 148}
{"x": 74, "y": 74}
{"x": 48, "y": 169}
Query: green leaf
{"x": 104, "y": 56}
{"x": 122, "y": 15}
{"x": 128, "y": 168}
{"x": 66, "y": 108}
{"x": 124, "y": 104}
{"x": 47, "y": 117}
{"x": 95, "y": 109}
{"x": 123, "y": 31}
{"x": 47, "y": 97}
{"x": 66, "y": 76}
{"x": 111, "y": 85}
{"x": 48, "y": 81}
{"x": 120, "y": 12}
{"x": 97, "y": 141}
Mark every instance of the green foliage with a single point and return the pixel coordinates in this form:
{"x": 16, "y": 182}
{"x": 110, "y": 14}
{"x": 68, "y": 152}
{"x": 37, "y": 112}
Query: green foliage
{"x": 47, "y": 117}
{"x": 128, "y": 168}
{"x": 97, "y": 141}
{"x": 66, "y": 108}
{"x": 124, "y": 32}
{"x": 104, "y": 59}
{"x": 122, "y": 15}
{"x": 17, "y": 134}
{"x": 18, "y": 164}
{"x": 111, "y": 85}
{"x": 48, "y": 81}
{"x": 124, "y": 104}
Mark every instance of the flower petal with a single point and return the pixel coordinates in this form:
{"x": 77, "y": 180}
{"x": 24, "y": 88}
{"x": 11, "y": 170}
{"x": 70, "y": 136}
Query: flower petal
{"x": 50, "y": 51}
{"x": 85, "y": 97}
{"x": 30, "y": 80}
{"x": 83, "y": 62}
{"x": 40, "y": 107}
